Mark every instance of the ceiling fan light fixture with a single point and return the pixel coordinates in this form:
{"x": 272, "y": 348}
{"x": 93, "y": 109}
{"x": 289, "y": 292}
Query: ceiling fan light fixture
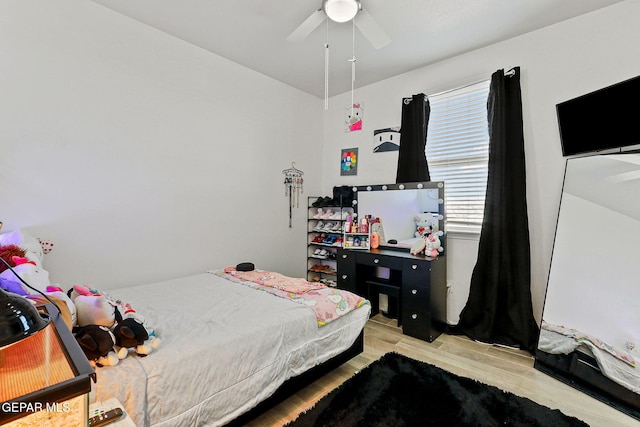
{"x": 341, "y": 10}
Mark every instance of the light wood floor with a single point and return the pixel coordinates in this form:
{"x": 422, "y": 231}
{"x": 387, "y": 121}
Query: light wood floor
{"x": 507, "y": 369}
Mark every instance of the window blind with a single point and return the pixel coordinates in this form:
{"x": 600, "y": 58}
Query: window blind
{"x": 458, "y": 152}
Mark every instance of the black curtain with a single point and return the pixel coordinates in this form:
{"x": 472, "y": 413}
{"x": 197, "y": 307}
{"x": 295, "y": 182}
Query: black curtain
{"x": 412, "y": 160}
{"x": 499, "y": 308}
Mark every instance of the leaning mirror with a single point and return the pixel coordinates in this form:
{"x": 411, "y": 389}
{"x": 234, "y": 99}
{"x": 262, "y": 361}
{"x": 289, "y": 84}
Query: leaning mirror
{"x": 591, "y": 318}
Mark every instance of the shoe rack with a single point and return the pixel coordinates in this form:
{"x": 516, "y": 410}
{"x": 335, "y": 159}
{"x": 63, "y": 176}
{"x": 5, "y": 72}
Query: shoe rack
{"x": 325, "y": 235}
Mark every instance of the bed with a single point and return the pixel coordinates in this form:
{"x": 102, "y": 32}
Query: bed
{"x": 591, "y": 365}
{"x": 225, "y": 346}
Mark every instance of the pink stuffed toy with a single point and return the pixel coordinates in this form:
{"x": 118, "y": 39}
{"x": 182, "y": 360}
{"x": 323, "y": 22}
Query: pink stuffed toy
{"x": 92, "y": 307}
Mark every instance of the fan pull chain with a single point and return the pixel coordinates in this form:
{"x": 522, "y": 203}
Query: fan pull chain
{"x": 326, "y": 70}
{"x": 353, "y": 61}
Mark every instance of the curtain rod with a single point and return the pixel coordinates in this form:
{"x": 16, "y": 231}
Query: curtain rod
{"x": 509, "y": 73}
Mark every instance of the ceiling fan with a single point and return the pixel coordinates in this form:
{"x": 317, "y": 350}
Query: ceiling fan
{"x": 343, "y": 11}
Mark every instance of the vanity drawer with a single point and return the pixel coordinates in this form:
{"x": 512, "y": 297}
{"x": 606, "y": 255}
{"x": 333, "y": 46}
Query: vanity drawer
{"x": 417, "y": 324}
{"x": 416, "y": 272}
{"x": 416, "y": 298}
{"x": 376, "y": 260}
{"x": 346, "y": 275}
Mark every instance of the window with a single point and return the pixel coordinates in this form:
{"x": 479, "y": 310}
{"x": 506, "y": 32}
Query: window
{"x": 458, "y": 153}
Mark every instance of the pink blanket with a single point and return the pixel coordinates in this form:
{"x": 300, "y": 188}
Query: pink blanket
{"x": 275, "y": 280}
{"x": 327, "y": 303}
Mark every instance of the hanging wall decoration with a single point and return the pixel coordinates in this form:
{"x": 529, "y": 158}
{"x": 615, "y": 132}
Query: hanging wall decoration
{"x": 353, "y": 117}
{"x": 349, "y": 162}
{"x": 387, "y": 139}
{"x": 293, "y": 187}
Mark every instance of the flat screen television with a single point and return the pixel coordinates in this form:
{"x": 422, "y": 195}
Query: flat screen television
{"x": 601, "y": 120}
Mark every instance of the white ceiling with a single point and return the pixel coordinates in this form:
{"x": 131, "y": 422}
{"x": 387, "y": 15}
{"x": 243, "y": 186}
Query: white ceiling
{"x": 253, "y": 33}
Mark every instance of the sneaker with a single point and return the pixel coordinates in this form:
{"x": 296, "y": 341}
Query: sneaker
{"x": 336, "y": 215}
{"x": 326, "y": 201}
{"x": 319, "y": 213}
{"x": 319, "y": 226}
{"x": 326, "y": 214}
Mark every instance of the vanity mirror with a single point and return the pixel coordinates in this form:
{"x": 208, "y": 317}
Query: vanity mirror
{"x": 396, "y": 205}
{"x": 591, "y": 319}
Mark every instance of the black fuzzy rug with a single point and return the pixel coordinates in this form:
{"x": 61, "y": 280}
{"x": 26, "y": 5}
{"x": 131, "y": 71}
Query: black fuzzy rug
{"x": 397, "y": 391}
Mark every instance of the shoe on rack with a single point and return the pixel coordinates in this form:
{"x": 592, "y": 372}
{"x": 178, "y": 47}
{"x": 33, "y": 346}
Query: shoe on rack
{"x": 328, "y": 227}
{"x": 327, "y": 214}
{"x": 317, "y": 252}
{"x": 319, "y": 226}
{"x": 319, "y": 213}
{"x": 336, "y": 215}
{"x": 318, "y": 202}
{"x": 337, "y": 227}
{"x": 326, "y": 201}
{"x": 323, "y": 253}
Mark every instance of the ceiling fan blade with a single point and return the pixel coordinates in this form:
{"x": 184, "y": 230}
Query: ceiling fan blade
{"x": 371, "y": 30}
{"x": 310, "y": 24}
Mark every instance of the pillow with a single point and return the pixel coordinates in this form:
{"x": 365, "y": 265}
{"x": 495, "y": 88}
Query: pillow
{"x": 245, "y": 266}
{"x": 27, "y": 242}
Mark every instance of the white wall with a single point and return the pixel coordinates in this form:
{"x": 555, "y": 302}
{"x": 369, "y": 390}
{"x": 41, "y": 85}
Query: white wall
{"x": 557, "y": 63}
{"x": 143, "y": 157}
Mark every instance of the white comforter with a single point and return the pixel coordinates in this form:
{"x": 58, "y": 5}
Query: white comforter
{"x": 224, "y": 348}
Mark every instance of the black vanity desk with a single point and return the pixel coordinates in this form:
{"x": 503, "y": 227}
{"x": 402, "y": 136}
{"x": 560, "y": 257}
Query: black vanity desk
{"x": 416, "y": 282}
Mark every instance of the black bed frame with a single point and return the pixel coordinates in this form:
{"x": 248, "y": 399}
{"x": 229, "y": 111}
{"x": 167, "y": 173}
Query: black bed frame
{"x": 581, "y": 371}
{"x": 295, "y": 384}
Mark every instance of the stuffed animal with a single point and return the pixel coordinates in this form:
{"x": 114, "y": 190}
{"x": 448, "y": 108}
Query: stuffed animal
{"x": 7, "y": 252}
{"x": 97, "y": 343}
{"x": 130, "y": 329}
{"x": 430, "y": 245}
{"x": 27, "y": 270}
{"x": 424, "y": 224}
{"x": 37, "y": 277}
{"x": 24, "y": 254}
{"x": 92, "y": 307}
{"x": 132, "y": 332}
{"x": 433, "y": 246}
